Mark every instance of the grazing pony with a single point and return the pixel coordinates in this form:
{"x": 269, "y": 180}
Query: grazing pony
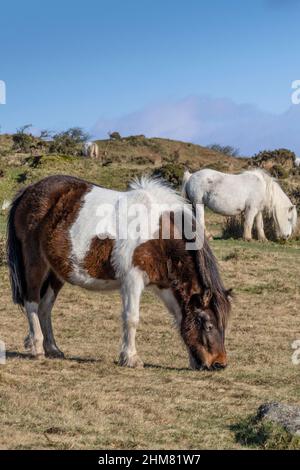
{"x": 91, "y": 150}
{"x": 57, "y": 234}
{"x": 251, "y": 193}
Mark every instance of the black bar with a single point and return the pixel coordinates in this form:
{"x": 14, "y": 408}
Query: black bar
{"x": 132, "y": 459}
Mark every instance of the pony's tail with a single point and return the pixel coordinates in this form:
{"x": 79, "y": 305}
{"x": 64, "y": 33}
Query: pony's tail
{"x": 15, "y": 255}
{"x": 186, "y": 177}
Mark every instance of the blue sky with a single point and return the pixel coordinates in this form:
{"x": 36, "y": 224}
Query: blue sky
{"x": 205, "y": 71}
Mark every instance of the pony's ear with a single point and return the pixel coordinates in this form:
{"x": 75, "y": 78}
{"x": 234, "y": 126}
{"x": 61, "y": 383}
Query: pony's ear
{"x": 206, "y": 297}
{"x": 170, "y": 271}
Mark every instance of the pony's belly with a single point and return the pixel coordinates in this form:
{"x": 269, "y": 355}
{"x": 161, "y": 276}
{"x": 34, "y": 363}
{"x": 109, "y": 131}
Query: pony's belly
{"x": 225, "y": 210}
{"x": 83, "y": 279}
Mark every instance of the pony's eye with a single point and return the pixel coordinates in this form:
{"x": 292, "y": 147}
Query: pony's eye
{"x": 208, "y": 326}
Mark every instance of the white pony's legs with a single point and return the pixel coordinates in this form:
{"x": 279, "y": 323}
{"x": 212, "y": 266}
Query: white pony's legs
{"x": 199, "y": 208}
{"x": 260, "y": 227}
{"x": 44, "y": 313}
{"x": 250, "y": 215}
{"x": 35, "y": 337}
{"x": 132, "y": 289}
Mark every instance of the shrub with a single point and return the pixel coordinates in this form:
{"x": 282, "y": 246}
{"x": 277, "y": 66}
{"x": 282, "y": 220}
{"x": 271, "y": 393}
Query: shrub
{"x": 233, "y": 227}
{"x": 278, "y": 171}
{"x": 269, "y": 158}
{"x": 69, "y": 142}
{"x": 225, "y": 149}
{"x": 115, "y": 135}
{"x": 23, "y": 141}
{"x": 171, "y": 172}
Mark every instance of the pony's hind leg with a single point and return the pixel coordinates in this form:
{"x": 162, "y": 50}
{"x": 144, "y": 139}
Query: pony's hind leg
{"x": 50, "y": 290}
{"x": 35, "y": 273}
{"x": 131, "y": 293}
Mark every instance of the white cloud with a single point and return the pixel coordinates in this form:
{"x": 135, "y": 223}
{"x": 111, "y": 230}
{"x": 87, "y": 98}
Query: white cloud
{"x": 207, "y": 120}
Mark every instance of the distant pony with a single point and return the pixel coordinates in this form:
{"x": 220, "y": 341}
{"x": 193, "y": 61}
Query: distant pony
{"x": 56, "y": 235}
{"x": 91, "y": 150}
{"x": 251, "y": 193}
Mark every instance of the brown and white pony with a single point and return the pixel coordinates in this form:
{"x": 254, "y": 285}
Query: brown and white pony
{"x": 56, "y": 235}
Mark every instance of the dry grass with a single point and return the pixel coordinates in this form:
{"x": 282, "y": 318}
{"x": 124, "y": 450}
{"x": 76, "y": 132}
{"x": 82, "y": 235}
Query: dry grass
{"x": 87, "y": 401}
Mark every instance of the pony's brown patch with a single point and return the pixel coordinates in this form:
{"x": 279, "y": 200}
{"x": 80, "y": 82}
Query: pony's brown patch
{"x": 97, "y": 261}
{"x": 43, "y": 217}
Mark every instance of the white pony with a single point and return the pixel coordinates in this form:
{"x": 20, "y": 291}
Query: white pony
{"x": 91, "y": 150}
{"x": 251, "y": 193}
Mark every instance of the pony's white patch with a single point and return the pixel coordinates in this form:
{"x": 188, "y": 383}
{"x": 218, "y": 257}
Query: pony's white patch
{"x": 34, "y": 327}
{"x": 81, "y": 278}
{"x": 85, "y": 226}
{"x": 147, "y": 192}
{"x": 170, "y": 301}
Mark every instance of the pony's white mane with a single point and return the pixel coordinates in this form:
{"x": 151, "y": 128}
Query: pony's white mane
{"x": 151, "y": 192}
{"x": 157, "y": 189}
{"x": 273, "y": 190}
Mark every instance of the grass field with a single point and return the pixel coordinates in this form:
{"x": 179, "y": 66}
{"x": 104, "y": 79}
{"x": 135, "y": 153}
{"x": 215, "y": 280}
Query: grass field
{"x": 87, "y": 401}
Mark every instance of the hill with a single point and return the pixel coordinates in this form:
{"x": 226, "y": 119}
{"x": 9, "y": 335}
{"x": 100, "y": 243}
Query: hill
{"x": 157, "y": 151}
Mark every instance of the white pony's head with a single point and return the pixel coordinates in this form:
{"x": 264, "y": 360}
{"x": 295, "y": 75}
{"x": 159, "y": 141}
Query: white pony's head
{"x": 279, "y": 205}
{"x": 286, "y": 220}
{"x": 285, "y": 213}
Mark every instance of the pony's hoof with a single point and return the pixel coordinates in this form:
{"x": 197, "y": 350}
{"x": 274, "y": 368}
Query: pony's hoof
{"x": 38, "y": 356}
{"x": 55, "y": 354}
{"x": 130, "y": 361}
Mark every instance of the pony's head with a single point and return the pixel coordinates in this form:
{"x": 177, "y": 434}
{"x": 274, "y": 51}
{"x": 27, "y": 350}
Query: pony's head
{"x": 204, "y": 333}
{"x": 285, "y": 217}
{"x": 205, "y": 306}
{"x": 279, "y": 206}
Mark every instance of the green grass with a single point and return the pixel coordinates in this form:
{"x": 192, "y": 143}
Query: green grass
{"x": 264, "y": 435}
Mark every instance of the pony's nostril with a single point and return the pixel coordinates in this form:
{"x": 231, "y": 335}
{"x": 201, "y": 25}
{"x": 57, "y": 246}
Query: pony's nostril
{"x": 218, "y": 365}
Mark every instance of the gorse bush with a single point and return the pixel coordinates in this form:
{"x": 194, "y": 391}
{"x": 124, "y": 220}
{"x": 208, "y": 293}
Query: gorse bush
{"x": 278, "y": 171}
{"x": 226, "y": 149}
{"x": 269, "y": 158}
{"x": 171, "y": 172}
{"x": 233, "y": 227}
{"x": 22, "y": 140}
{"x": 69, "y": 142}
{"x": 115, "y": 135}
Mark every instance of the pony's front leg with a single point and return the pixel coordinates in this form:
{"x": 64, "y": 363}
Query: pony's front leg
{"x": 260, "y": 227}
{"x": 249, "y": 219}
{"x": 132, "y": 289}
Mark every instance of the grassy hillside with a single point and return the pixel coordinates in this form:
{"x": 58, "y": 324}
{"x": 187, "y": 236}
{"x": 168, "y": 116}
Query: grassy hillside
{"x": 160, "y": 151}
